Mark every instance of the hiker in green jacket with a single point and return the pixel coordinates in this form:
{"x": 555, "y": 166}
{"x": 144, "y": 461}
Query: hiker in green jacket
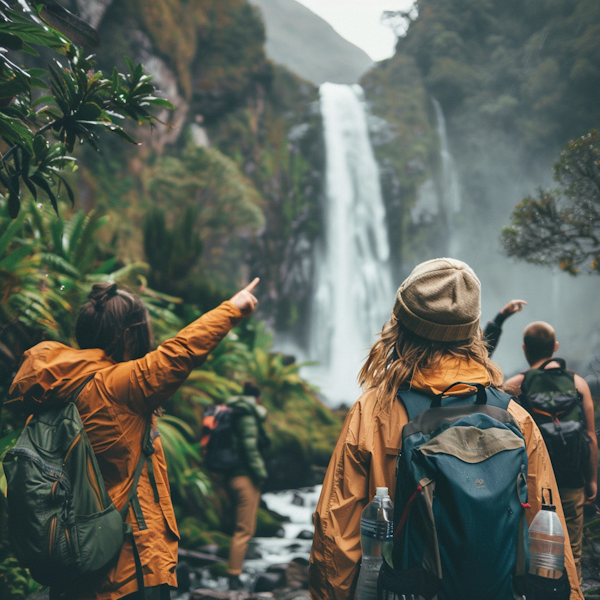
{"x": 245, "y": 480}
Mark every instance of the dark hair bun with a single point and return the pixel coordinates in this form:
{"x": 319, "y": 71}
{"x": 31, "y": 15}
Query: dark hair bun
{"x": 101, "y": 293}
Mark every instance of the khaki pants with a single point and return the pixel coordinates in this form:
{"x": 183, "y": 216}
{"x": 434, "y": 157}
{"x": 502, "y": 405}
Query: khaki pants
{"x": 245, "y": 496}
{"x": 572, "y": 500}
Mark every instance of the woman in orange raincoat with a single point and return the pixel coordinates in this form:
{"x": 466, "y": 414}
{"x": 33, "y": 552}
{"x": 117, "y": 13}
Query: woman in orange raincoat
{"x": 432, "y": 341}
{"x": 130, "y": 382}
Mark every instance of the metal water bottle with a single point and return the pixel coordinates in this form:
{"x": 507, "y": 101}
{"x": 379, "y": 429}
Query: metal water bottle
{"x": 546, "y": 542}
{"x": 376, "y": 530}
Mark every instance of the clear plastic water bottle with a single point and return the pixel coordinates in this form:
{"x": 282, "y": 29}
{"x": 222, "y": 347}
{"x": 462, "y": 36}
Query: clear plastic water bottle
{"x": 546, "y": 543}
{"x": 376, "y": 530}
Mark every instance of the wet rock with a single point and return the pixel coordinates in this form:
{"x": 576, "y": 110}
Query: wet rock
{"x": 294, "y": 547}
{"x": 296, "y": 574}
{"x": 278, "y": 568}
{"x": 253, "y": 553}
{"x": 267, "y": 582}
{"x": 298, "y": 500}
{"x": 305, "y": 534}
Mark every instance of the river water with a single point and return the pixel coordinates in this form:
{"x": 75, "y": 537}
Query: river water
{"x": 282, "y": 550}
{"x": 298, "y": 506}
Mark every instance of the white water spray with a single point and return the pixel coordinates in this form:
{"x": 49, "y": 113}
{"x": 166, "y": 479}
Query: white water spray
{"x": 353, "y": 284}
{"x": 451, "y": 200}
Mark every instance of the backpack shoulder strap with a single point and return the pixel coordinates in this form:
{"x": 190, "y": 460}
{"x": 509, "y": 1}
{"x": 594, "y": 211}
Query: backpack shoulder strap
{"x": 132, "y": 498}
{"x": 560, "y": 361}
{"x": 414, "y": 401}
{"x": 78, "y": 391}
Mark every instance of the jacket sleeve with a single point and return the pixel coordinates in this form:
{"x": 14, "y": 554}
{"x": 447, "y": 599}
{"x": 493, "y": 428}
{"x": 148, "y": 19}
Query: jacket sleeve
{"x": 336, "y": 551}
{"x": 247, "y": 430}
{"x": 144, "y": 384}
{"x": 540, "y": 475}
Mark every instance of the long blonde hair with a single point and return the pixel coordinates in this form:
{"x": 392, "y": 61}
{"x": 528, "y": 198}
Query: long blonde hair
{"x": 399, "y": 354}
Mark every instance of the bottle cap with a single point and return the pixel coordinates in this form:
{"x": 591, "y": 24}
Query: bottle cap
{"x": 382, "y": 491}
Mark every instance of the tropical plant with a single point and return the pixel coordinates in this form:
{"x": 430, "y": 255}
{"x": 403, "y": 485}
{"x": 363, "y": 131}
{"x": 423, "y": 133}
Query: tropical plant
{"x": 190, "y": 486}
{"x": 171, "y": 252}
{"x": 76, "y": 104}
{"x": 561, "y": 227}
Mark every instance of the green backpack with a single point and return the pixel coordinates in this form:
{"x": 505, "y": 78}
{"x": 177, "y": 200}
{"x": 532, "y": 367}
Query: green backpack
{"x": 552, "y": 399}
{"x": 63, "y": 525}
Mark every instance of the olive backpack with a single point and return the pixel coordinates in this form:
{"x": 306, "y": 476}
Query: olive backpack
{"x": 63, "y": 525}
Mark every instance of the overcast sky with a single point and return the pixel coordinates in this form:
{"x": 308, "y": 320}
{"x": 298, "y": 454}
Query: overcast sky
{"x": 359, "y": 22}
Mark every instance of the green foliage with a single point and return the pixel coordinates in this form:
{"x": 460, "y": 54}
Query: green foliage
{"x": 206, "y": 204}
{"x": 191, "y": 487}
{"x": 171, "y": 253}
{"x": 561, "y": 227}
{"x": 76, "y": 105}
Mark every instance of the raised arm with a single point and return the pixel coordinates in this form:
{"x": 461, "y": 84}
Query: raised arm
{"x": 493, "y": 329}
{"x": 144, "y": 384}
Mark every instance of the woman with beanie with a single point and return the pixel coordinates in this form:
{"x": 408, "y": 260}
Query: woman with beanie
{"x": 432, "y": 341}
{"x": 124, "y": 383}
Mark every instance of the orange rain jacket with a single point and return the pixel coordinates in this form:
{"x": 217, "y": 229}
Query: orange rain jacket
{"x": 365, "y": 458}
{"x": 114, "y": 408}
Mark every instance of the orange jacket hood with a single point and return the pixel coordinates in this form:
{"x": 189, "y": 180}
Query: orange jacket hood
{"x": 449, "y": 370}
{"x": 51, "y": 370}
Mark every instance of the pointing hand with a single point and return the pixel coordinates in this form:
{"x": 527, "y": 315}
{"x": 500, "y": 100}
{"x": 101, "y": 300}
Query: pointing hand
{"x": 512, "y": 307}
{"x": 245, "y": 300}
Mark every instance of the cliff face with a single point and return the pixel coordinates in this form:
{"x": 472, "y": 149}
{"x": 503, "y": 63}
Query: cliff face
{"x": 514, "y": 83}
{"x": 242, "y": 149}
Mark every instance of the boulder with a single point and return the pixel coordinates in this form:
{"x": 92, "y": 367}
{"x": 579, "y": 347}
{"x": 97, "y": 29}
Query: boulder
{"x": 267, "y": 582}
{"x": 296, "y": 574}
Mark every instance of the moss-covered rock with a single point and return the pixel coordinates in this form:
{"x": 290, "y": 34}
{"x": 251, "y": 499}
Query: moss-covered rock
{"x": 266, "y": 524}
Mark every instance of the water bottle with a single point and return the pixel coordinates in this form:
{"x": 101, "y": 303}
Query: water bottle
{"x": 546, "y": 543}
{"x": 376, "y": 530}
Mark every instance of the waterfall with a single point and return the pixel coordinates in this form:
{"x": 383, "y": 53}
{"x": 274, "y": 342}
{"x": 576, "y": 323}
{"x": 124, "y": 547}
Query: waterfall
{"x": 353, "y": 293}
{"x": 451, "y": 201}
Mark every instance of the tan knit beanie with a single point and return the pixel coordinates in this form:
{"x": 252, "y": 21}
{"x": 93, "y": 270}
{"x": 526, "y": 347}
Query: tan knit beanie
{"x": 440, "y": 300}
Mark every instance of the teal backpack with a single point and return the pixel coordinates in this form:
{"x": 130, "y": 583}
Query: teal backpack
{"x": 459, "y": 520}
{"x": 460, "y": 531}
{"x": 62, "y": 523}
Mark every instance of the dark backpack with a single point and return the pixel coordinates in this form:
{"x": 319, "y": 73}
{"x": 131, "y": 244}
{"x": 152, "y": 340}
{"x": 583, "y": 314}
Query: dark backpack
{"x": 62, "y": 523}
{"x": 459, "y": 521}
{"x": 218, "y": 445}
{"x": 550, "y": 396}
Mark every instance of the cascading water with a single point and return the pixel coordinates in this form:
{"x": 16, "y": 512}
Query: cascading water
{"x": 451, "y": 200}
{"x": 353, "y": 284}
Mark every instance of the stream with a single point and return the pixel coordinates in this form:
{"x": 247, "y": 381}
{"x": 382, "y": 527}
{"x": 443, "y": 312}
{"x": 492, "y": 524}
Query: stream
{"x": 298, "y": 506}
